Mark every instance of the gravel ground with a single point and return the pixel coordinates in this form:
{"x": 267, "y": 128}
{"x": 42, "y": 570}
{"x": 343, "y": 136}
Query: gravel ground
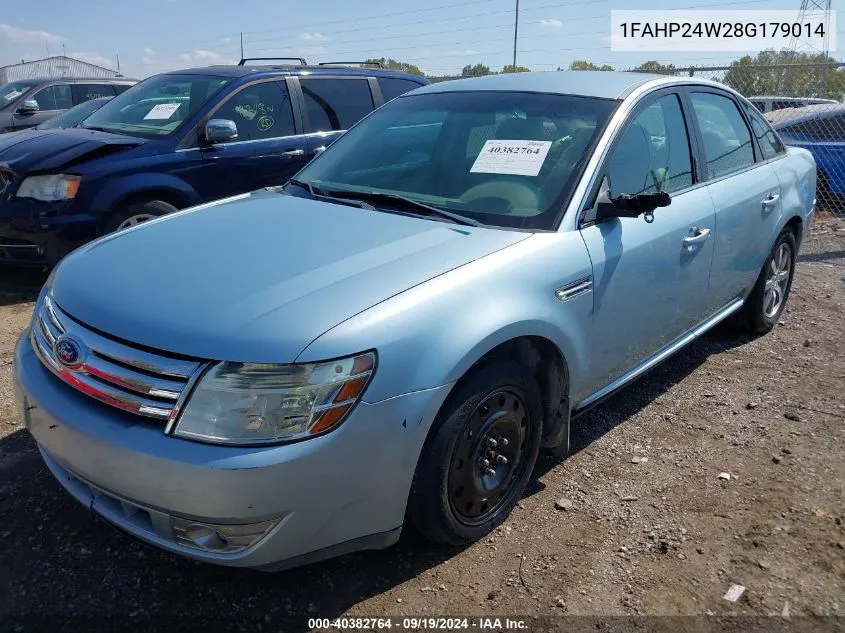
{"x": 649, "y": 525}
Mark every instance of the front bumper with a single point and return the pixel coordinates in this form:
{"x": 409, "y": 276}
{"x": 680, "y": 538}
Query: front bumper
{"x": 342, "y": 491}
{"x": 41, "y": 233}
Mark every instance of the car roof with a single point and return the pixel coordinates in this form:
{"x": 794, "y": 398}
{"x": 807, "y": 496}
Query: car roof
{"x": 586, "y": 83}
{"x": 785, "y": 116}
{"x": 295, "y": 69}
{"x": 108, "y": 80}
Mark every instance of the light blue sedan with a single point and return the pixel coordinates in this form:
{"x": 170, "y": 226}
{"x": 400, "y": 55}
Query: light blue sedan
{"x": 391, "y": 338}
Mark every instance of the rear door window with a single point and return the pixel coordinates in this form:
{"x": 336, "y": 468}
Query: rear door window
{"x": 260, "y": 111}
{"x": 727, "y": 140}
{"x": 336, "y": 104}
{"x": 55, "y": 97}
{"x": 86, "y": 92}
{"x": 392, "y": 87}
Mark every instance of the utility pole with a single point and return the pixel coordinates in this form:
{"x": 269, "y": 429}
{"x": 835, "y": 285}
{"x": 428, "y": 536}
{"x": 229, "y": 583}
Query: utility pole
{"x": 515, "y": 33}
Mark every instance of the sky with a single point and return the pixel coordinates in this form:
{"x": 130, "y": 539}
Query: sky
{"x": 439, "y": 36}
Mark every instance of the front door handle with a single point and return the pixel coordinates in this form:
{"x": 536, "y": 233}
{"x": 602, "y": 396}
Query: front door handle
{"x": 293, "y": 152}
{"x": 770, "y": 199}
{"x": 697, "y": 236}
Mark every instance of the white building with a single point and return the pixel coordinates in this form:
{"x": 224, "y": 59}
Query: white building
{"x": 56, "y": 66}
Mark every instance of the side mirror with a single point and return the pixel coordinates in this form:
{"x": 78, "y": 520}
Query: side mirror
{"x": 220, "y": 131}
{"x": 628, "y": 206}
{"x": 30, "y": 106}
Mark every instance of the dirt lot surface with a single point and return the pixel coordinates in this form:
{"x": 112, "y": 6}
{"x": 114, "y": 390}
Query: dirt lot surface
{"x": 649, "y": 525}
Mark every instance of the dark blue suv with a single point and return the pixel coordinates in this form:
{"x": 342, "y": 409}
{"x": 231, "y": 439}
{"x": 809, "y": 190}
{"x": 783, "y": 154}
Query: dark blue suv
{"x": 173, "y": 141}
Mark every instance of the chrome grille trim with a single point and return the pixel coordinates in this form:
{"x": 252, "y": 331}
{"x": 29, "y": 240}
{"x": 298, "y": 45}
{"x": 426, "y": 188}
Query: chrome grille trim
{"x": 133, "y": 380}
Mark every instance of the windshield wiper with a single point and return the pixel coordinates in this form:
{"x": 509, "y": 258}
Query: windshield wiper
{"x": 319, "y": 194}
{"x": 417, "y": 208}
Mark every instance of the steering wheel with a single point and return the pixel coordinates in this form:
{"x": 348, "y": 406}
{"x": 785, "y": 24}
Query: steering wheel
{"x": 515, "y": 194}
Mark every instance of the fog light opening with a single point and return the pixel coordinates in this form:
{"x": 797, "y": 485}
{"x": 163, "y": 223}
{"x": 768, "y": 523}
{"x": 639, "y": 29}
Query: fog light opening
{"x": 224, "y": 539}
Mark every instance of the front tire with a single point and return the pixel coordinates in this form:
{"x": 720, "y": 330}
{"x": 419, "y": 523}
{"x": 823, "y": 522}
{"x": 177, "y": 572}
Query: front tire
{"x": 479, "y": 455}
{"x": 138, "y": 213}
{"x": 767, "y": 300}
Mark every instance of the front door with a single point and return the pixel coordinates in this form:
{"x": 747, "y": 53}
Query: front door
{"x": 650, "y": 273}
{"x": 52, "y": 101}
{"x": 269, "y": 148}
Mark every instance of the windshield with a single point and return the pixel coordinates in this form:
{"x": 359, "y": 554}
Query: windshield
{"x": 157, "y": 106}
{"x": 502, "y": 158}
{"x": 74, "y": 116}
{"x": 10, "y": 92}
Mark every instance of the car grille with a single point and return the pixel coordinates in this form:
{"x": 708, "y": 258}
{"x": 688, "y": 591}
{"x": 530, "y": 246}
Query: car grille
{"x": 144, "y": 383}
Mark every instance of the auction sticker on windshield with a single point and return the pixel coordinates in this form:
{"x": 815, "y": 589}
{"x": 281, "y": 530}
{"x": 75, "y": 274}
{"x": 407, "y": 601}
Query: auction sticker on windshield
{"x": 517, "y": 158}
{"x": 162, "y": 111}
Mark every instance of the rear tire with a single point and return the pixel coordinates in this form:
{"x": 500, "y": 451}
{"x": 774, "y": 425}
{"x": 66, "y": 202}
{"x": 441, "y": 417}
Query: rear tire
{"x": 137, "y": 213}
{"x": 495, "y": 415}
{"x": 768, "y": 299}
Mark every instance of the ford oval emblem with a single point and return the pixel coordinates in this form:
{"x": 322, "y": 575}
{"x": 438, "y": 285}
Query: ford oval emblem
{"x": 69, "y": 352}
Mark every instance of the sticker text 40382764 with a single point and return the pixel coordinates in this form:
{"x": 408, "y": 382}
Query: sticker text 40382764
{"x": 517, "y": 158}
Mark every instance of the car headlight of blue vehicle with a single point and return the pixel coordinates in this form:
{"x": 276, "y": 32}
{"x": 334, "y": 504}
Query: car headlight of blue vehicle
{"x": 50, "y": 188}
{"x": 254, "y": 403}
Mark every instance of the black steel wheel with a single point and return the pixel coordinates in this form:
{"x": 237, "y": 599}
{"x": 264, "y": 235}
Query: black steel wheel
{"x": 479, "y": 455}
{"x": 488, "y": 456}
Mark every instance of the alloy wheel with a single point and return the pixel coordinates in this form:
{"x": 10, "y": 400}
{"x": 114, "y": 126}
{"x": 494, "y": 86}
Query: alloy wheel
{"x": 135, "y": 220}
{"x": 777, "y": 280}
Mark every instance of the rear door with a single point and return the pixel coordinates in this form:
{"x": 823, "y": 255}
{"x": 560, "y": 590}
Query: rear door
{"x": 745, "y": 193}
{"x": 52, "y": 100}
{"x": 333, "y": 104}
{"x": 269, "y": 149}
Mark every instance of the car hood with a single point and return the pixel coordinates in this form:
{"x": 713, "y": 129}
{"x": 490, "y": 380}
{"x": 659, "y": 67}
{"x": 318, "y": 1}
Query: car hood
{"x": 47, "y": 150}
{"x": 258, "y": 278}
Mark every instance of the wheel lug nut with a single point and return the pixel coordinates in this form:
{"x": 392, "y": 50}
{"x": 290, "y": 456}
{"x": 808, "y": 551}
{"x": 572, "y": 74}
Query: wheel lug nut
{"x": 504, "y": 441}
{"x": 502, "y": 459}
{"x": 490, "y": 472}
{"x": 485, "y": 463}
{"x": 492, "y": 443}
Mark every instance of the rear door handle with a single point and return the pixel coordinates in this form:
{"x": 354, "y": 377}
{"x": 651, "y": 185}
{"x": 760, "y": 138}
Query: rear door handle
{"x": 697, "y": 236}
{"x": 293, "y": 152}
{"x": 771, "y": 199}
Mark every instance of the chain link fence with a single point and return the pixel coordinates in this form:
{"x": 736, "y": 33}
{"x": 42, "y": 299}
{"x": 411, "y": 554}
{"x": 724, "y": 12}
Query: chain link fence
{"x": 803, "y": 103}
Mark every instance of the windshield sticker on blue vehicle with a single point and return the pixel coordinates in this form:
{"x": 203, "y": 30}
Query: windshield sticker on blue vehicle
{"x": 13, "y": 95}
{"x": 162, "y": 111}
{"x": 517, "y": 158}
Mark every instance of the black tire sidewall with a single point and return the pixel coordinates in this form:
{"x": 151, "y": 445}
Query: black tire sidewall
{"x": 756, "y": 319}
{"x": 429, "y": 508}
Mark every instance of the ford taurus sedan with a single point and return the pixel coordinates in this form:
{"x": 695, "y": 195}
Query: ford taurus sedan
{"x": 393, "y": 336}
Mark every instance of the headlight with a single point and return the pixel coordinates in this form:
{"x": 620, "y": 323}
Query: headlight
{"x": 49, "y": 188}
{"x": 251, "y": 403}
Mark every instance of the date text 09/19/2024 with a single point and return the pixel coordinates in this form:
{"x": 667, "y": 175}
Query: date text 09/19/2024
{"x": 417, "y": 624}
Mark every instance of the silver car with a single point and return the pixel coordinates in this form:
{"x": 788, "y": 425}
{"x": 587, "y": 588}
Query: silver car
{"x": 393, "y": 336}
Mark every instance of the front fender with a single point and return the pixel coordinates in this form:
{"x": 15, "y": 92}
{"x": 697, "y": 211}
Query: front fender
{"x": 121, "y": 188}
{"x": 430, "y": 335}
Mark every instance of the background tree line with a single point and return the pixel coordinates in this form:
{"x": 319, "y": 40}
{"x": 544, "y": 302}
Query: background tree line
{"x": 770, "y": 72}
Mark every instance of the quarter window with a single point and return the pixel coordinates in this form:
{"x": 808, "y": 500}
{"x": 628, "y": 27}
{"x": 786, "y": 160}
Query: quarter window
{"x": 769, "y": 142}
{"x": 54, "y": 97}
{"x": 260, "y": 111}
{"x": 336, "y": 104}
{"x": 727, "y": 141}
{"x": 653, "y": 153}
